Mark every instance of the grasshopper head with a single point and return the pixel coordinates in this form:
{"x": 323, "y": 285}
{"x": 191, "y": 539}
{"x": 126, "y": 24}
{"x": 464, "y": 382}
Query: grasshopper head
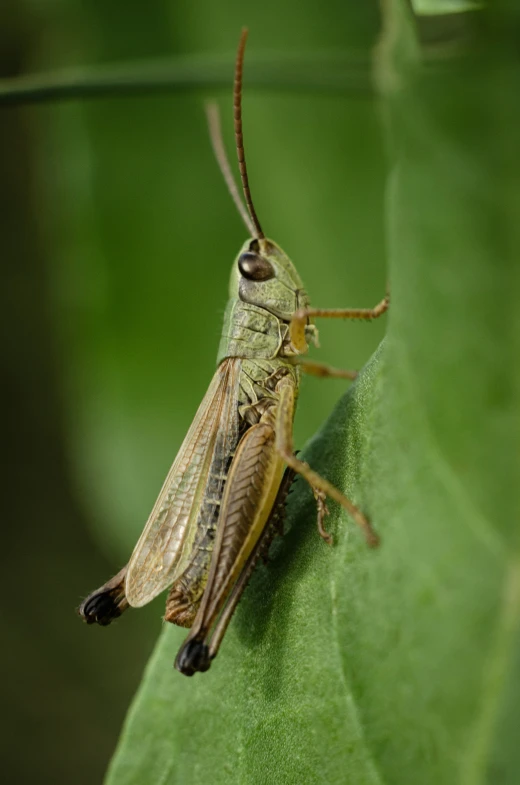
{"x": 263, "y": 275}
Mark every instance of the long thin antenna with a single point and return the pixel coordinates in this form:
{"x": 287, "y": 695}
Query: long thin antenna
{"x": 237, "y": 107}
{"x": 215, "y": 134}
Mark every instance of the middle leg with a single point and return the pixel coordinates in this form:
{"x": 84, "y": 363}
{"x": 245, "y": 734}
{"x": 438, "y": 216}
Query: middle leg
{"x": 320, "y": 486}
{"x": 322, "y": 370}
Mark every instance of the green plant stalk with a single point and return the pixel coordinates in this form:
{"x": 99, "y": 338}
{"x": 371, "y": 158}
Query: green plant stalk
{"x": 305, "y": 72}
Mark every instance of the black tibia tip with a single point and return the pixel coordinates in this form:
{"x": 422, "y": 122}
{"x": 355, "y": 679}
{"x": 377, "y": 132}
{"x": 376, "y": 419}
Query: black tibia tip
{"x": 193, "y": 657}
{"x": 100, "y": 608}
{"x": 105, "y": 604}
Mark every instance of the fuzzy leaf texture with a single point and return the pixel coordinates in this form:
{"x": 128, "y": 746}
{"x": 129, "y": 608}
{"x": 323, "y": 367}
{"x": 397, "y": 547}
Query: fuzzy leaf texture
{"x": 401, "y": 665}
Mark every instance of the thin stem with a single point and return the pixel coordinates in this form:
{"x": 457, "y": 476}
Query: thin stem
{"x": 311, "y": 72}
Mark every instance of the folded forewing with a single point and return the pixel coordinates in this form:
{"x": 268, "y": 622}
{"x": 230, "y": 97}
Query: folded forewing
{"x": 169, "y": 529}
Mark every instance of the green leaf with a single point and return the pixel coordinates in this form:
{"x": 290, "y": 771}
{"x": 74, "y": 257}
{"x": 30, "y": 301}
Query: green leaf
{"x": 445, "y": 6}
{"x": 401, "y": 665}
{"x": 278, "y": 695}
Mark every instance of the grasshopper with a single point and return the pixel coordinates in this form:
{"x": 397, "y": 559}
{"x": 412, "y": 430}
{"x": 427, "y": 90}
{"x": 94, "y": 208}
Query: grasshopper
{"x": 223, "y": 498}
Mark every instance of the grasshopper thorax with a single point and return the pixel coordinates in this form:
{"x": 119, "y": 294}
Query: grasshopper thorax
{"x": 263, "y": 275}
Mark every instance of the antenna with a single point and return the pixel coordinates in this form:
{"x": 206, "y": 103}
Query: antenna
{"x": 215, "y": 134}
{"x": 237, "y": 108}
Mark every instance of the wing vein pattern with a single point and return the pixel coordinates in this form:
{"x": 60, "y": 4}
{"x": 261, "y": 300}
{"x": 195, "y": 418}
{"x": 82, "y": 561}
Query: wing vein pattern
{"x": 164, "y": 548}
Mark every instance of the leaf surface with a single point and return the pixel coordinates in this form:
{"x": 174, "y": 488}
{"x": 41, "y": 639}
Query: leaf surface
{"x": 401, "y": 665}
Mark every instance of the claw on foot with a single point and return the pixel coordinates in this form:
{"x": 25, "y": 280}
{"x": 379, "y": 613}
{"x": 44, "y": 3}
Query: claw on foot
{"x": 323, "y": 511}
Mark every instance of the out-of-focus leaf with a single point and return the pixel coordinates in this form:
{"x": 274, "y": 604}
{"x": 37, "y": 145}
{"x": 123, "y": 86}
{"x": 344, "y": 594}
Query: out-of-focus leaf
{"x": 445, "y": 6}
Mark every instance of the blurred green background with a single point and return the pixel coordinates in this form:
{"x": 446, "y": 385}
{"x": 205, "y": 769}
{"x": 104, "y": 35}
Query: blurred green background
{"x": 117, "y": 241}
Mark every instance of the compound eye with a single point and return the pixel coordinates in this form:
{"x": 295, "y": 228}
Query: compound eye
{"x": 254, "y": 267}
